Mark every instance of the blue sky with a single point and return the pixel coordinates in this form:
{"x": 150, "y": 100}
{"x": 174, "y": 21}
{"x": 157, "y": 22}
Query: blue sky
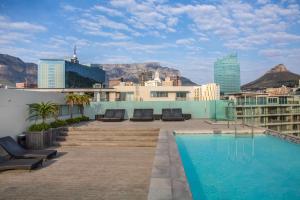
{"x": 187, "y": 35}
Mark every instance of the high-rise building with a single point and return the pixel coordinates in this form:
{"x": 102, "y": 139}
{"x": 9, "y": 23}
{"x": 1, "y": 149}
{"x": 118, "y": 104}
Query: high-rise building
{"x": 227, "y": 74}
{"x": 60, "y": 73}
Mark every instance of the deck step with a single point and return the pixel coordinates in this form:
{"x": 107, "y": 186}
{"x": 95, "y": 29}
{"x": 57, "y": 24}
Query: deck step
{"x": 98, "y": 136}
{"x": 109, "y": 138}
{"x": 111, "y": 133}
{"x": 109, "y": 129}
{"x": 109, "y": 144}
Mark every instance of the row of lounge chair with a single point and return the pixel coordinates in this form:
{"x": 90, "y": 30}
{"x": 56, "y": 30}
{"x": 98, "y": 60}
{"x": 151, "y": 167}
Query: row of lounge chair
{"x": 20, "y": 158}
{"x": 168, "y": 114}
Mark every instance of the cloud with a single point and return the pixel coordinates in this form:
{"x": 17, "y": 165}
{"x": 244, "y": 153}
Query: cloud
{"x": 147, "y": 15}
{"x": 136, "y": 47}
{"x": 14, "y": 32}
{"x": 263, "y": 1}
{"x": 186, "y": 41}
{"x": 69, "y": 8}
{"x": 108, "y": 11}
{"x": 281, "y": 53}
{"x": 6, "y": 24}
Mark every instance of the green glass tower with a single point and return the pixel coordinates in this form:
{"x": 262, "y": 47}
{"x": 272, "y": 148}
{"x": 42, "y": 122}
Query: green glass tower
{"x": 227, "y": 74}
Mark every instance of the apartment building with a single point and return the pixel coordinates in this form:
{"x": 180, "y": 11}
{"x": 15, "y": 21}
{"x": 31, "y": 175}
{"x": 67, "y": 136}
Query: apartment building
{"x": 277, "y": 112}
{"x": 210, "y": 91}
{"x": 164, "y": 93}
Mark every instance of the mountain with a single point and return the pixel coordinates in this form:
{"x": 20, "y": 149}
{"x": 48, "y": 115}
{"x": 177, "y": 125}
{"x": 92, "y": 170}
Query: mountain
{"x": 13, "y": 69}
{"x": 130, "y": 72}
{"x": 276, "y": 77}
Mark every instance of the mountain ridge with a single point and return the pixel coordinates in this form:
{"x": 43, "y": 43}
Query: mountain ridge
{"x": 130, "y": 72}
{"x": 276, "y": 77}
{"x": 13, "y": 70}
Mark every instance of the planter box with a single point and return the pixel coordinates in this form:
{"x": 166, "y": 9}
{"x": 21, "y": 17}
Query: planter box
{"x": 43, "y": 139}
{"x": 37, "y": 140}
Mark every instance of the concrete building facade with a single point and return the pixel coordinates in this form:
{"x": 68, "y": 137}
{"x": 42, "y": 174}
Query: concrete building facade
{"x": 164, "y": 93}
{"x": 276, "y": 112}
{"x": 207, "y": 92}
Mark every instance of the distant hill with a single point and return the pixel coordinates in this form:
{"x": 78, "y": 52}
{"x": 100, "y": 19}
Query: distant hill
{"x": 13, "y": 69}
{"x": 130, "y": 72}
{"x": 276, "y": 77}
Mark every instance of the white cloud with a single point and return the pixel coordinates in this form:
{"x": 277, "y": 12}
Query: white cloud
{"x": 281, "y": 53}
{"x": 263, "y": 1}
{"x": 186, "y": 41}
{"x": 13, "y": 32}
{"x": 136, "y": 47}
{"x": 6, "y": 24}
{"x": 147, "y": 15}
{"x": 108, "y": 11}
{"x": 69, "y": 8}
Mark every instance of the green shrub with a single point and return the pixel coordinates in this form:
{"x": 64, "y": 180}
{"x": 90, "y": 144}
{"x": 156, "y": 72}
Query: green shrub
{"x": 77, "y": 119}
{"x": 39, "y": 127}
{"x": 85, "y": 118}
{"x": 70, "y": 121}
{"x": 73, "y": 120}
{"x": 58, "y": 123}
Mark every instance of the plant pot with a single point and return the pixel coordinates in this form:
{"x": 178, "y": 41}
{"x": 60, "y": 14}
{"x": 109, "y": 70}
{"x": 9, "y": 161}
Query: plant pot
{"x": 40, "y": 139}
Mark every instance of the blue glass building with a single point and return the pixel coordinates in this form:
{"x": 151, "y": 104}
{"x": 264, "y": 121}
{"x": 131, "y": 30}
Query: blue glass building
{"x": 59, "y": 73}
{"x": 227, "y": 74}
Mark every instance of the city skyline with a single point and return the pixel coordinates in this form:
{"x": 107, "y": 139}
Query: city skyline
{"x": 187, "y": 35}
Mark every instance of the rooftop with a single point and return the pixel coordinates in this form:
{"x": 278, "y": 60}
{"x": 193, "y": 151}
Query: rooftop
{"x": 101, "y": 172}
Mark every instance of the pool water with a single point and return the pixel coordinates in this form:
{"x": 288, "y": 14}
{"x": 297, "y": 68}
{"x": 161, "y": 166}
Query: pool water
{"x": 224, "y": 167}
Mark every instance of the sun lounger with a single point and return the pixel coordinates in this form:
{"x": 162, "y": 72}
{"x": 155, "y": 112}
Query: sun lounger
{"x": 26, "y": 164}
{"x": 174, "y": 114}
{"x": 114, "y": 115}
{"x": 142, "y": 115}
{"x": 16, "y": 151}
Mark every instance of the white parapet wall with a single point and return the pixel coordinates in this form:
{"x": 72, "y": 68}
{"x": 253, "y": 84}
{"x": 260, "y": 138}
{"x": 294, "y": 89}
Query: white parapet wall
{"x": 14, "y": 108}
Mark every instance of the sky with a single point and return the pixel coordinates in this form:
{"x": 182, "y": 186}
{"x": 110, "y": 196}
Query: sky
{"x": 187, "y": 35}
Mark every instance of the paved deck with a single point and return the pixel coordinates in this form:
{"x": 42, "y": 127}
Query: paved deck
{"x": 84, "y": 173}
{"x": 96, "y": 172}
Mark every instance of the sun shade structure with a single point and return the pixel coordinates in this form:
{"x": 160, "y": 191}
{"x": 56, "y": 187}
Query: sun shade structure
{"x": 16, "y": 151}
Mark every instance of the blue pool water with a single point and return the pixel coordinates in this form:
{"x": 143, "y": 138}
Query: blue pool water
{"x": 222, "y": 167}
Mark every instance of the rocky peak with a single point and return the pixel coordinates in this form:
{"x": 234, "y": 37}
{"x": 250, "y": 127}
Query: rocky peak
{"x": 278, "y": 68}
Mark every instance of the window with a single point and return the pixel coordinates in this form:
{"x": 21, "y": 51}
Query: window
{"x": 272, "y": 100}
{"x": 180, "y": 94}
{"x": 282, "y": 100}
{"x": 261, "y": 100}
{"x": 158, "y": 94}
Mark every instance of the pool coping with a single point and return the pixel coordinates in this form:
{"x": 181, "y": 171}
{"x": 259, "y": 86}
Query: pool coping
{"x": 284, "y": 136}
{"x": 168, "y": 180}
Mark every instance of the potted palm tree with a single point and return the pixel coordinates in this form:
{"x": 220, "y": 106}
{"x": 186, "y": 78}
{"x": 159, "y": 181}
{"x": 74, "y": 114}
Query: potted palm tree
{"x": 71, "y": 100}
{"x": 40, "y": 135}
{"x": 83, "y": 100}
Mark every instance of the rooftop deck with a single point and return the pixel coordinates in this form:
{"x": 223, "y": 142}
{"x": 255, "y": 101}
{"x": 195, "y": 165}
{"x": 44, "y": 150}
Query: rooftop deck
{"x": 101, "y": 172}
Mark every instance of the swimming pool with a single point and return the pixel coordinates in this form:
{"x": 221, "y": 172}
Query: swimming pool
{"x": 243, "y": 168}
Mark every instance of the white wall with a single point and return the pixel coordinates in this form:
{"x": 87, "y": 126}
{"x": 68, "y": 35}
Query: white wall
{"x": 14, "y": 108}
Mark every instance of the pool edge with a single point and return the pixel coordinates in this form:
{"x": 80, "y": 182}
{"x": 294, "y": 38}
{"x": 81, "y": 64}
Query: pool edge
{"x": 168, "y": 179}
